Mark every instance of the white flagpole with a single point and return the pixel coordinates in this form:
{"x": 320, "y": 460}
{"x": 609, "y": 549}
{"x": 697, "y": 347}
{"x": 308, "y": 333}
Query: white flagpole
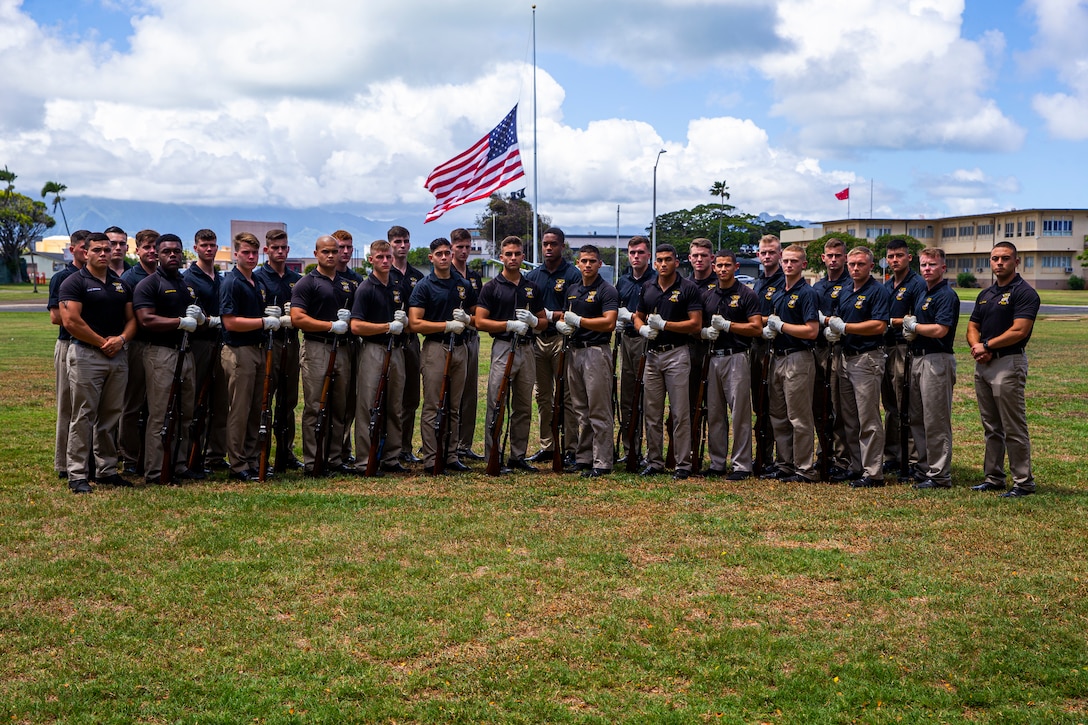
{"x": 536, "y": 188}
{"x": 616, "y": 261}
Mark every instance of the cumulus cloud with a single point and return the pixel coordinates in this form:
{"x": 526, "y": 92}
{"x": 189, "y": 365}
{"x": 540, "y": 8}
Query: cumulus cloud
{"x": 1059, "y": 46}
{"x": 969, "y": 191}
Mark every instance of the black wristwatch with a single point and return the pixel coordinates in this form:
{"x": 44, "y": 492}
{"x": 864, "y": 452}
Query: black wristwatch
{"x": 986, "y": 346}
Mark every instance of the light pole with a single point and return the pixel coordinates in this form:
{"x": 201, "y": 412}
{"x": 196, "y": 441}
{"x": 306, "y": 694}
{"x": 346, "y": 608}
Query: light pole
{"x": 653, "y": 235}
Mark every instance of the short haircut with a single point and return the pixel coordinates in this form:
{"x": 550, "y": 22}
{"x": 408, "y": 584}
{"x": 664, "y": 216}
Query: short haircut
{"x": 770, "y": 239}
{"x": 702, "y": 243}
{"x": 557, "y": 232}
{"x": 439, "y": 243}
{"x": 898, "y": 243}
{"x": 932, "y": 252}
{"x": 146, "y": 235}
{"x": 79, "y": 237}
{"x": 97, "y": 237}
{"x": 205, "y": 235}
{"x": 512, "y": 240}
{"x": 380, "y": 245}
{"x": 1010, "y": 245}
{"x": 114, "y": 230}
{"x": 245, "y": 239}
{"x": 460, "y": 235}
{"x": 859, "y": 251}
{"x": 589, "y": 249}
{"x": 274, "y": 235}
{"x": 395, "y": 232}
{"x": 342, "y": 235}
{"x": 728, "y": 253}
{"x": 796, "y": 248}
{"x": 637, "y": 241}
{"x": 167, "y": 238}
{"x": 834, "y": 243}
{"x": 667, "y": 248}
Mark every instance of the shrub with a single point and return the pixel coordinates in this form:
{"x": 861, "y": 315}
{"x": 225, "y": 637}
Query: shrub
{"x": 1076, "y": 282}
{"x": 966, "y": 280}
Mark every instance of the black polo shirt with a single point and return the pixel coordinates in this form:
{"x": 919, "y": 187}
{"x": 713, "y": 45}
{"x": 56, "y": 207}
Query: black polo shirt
{"x": 940, "y": 305}
{"x": 168, "y": 296}
{"x": 376, "y": 302}
{"x": 553, "y": 287}
{"x": 673, "y": 304}
{"x": 279, "y": 292}
{"x": 904, "y": 298}
{"x": 500, "y": 297}
{"x": 765, "y": 288}
{"x": 630, "y": 291}
{"x": 735, "y": 304}
{"x": 707, "y": 283}
{"x": 103, "y": 303}
{"x": 54, "y": 291}
{"x": 438, "y": 298}
{"x": 134, "y": 275}
{"x": 205, "y": 291}
{"x": 592, "y": 301}
{"x": 239, "y": 298}
{"x": 797, "y": 305}
{"x": 320, "y": 298}
{"x": 871, "y": 302}
{"x": 997, "y": 307}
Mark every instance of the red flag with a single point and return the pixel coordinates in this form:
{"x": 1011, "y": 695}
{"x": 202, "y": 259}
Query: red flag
{"x": 490, "y": 164}
{"x": 844, "y": 194}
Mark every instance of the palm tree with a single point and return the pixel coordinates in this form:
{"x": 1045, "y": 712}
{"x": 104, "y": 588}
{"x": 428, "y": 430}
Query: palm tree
{"x": 56, "y": 188}
{"x": 9, "y": 177}
{"x": 720, "y": 190}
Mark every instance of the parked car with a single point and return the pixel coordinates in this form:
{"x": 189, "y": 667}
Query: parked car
{"x": 745, "y": 279}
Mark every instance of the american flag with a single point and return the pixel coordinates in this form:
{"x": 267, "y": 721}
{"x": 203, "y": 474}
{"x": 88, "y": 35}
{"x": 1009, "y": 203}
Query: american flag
{"x": 490, "y": 164}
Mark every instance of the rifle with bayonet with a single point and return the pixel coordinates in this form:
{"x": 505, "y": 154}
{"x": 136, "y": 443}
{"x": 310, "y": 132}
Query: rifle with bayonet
{"x": 284, "y": 416}
{"x": 496, "y": 453}
{"x": 170, "y": 422}
{"x": 904, "y": 415}
{"x": 699, "y": 419}
{"x": 764, "y": 437}
{"x": 442, "y": 416}
{"x": 202, "y": 412}
{"x": 559, "y": 410}
{"x": 321, "y": 425}
{"x": 377, "y": 414}
{"x": 264, "y": 432}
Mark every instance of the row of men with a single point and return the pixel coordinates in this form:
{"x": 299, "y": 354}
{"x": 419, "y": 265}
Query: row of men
{"x": 755, "y": 343}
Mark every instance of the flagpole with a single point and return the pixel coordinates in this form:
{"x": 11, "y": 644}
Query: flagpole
{"x": 536, "y": 188}
{"x": 848, "y": 202}
{"x": 870, "y": 198}
{"x": 616, "y": 261}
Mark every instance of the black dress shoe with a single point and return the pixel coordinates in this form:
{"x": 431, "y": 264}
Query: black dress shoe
{"x": 246, "y": 475}
{"x": 651, "y": 471}
{"x": 891, "y": 466}
{"x": 845, "y": 476}
{"x": 62, "y": 475}
{"x": 521, "y": 465}
{"x": 115, "y": 479}
{"x": 772, "y": 475}
{"x": 293, "y": 464}
{"x": 866, "y": 482}
{"x": 190, "y": 474}
{"x": 470, "y": 455}
{"x": 989, "y": 486}
{"x": 681, "y": 475}
{"x": 621, "y": 459}
{"x": 409, "y": 457}
{"x": 541, "y": 456}
{"x": 739, "y": 476}
{"x": 595, "y": 472}
{"x": 457, "y": 467}
{"x": 714, "y": 473}
{"x": 79, "y": 485}
{"x": 930, "y": 483}
{"x": 394, "y": 468}
{"x": 255, "y": 474}
{"x": 217, "y": 465}
{"x": 795, "y": 478}
{"x": 1017, "y": 492}
{"x": 576, "y": 467}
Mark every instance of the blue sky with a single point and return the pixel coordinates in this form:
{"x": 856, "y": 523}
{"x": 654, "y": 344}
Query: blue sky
{"x": 944, "y": 106}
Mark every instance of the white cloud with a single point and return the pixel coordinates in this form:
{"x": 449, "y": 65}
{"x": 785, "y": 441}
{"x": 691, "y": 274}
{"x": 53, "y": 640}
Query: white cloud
{"x": 1062, "y": 26}
{"x": 969, "y": 191}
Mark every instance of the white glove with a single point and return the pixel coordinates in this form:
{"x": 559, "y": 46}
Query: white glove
{"x": 343, "y": 315}
{"x": 572, "y": 319}
{"x": 517, "y": 327}
{"x": 710, "y": 333}
{"x": 656, "y": 321}
{"x": 648, "y": 332}
{"x": 831, "y": 335}
{"x": 400, "y": 316}
{"x": 547, "y": 314}
{"x": 396, "y": 327}
{"x": 836, "y": 324}
{"x": 719, "y": 323}
{"x": 910, "y": 324}
{"x": 625, "y": 316}
{"x": 455, "y": 326}
{"x": 775, "y": 323}
{"x": 564, "y": 328}
{"x": 461, "y": 316}
{"x": 823, "y": 319}
{"x": 285, "y": 322}
{"x": 340, "y": 327}
{"x": 187, "y": 324}
{"x": 620, "y": 324}
{"x": 273, "y": 311}
{"x": 768, "y": 333}
{"x": 272, "y": 322}
{"x": 196, "y": 313}
{"x": 909, "y": 336}
{"x": 528, "y": 317}
{"x": 215, "y": 322}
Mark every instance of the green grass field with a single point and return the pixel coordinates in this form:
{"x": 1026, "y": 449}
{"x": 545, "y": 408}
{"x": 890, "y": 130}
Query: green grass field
{"x": 545, "y": 598}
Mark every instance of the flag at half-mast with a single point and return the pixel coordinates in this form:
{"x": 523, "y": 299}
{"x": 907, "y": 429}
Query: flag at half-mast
{"x": 844, "y": 194}
{"x": 491, "y": 163}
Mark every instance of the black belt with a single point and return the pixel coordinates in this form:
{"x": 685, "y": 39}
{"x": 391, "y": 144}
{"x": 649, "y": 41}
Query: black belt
{"x": 1007, "y": 351}
{"x": 315, "y": 337}
{"x": 442, "y": 339}
{"x": 726, "y": 352}
{"x": 666, "y": 348}
{"x": 789, "y": 351}
{"x": 524, "y": 340}
{"x": 923, "y": 352}
{"x": 581, "y": 345}
{"x": 855, "y": 353}
{"x": 383, "y": 343}
{"x": 547, "y": 334}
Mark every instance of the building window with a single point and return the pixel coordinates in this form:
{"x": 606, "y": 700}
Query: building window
{"x": 1029, "y": 261}
{"x": 1058, "y": 226}
{"x": 874, "y": 232}
{"x": 948, "y": 232}
{"x": 968, "y": 231}
{"x": 1061, "y": 261}
{"x": 1008, "y": 230}
{"x": 985, "y": 229}
{"x": 921, "y": 232}
{"x": 965, "y": 263}
{"x": 1029, "y": 228}
{"x": 851, "y": 232}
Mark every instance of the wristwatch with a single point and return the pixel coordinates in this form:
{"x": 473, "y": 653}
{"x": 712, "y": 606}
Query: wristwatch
{"x": 986, "y": 346}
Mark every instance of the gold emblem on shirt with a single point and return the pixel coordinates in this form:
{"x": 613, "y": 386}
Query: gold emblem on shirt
{"x": 860, "y": 302}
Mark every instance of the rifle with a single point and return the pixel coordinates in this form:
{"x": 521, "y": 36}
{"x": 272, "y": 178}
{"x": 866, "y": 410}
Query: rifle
{"x": 904, "y": 416}
{"x": 197, "y": 441}
{"x": 280, "y": 423}
{"x": 377, "y": 415}
{"x": 495, "y": 454}
{"x": 559, "y": 410}
{"x": 264, "y": 432}
{"x": 442, "y": 417}
{"x": 699, "y": 420}
{"x": 321, "y": 425}
{"x": 634, "y": 424}
{"x": 823, "y": 412}
{"x": 764, "y": 440}
{"x": 616, "y": 394}
{"x": 169, "y": 423}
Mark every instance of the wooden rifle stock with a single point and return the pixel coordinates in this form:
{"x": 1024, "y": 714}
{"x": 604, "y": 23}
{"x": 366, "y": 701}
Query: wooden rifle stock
{"x": 321, "y": 432}
{"x": 699, "y": 419}
{"x": 494, "y": 457}
{"x": 634, "y": 424}
{"x": 264, "y": 433}
{"x": 764, "y": 441}
{"x": 904, "y": 416}
{"x": 170, "y": 423}
{"x": 559, "y": 410}
{"x": 201, "y": 413}
{"x": 442, "y": 417}
{"x": 377, "y": 415}
{"x": 280, "y": 423}
{"x": 823, "y": 412}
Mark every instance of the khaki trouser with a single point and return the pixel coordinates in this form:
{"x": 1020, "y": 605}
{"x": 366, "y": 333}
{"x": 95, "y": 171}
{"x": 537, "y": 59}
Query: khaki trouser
{"x": 285, "y": 377}
{"x": 97, "y": 385}
{"x": 667, "y": 372}
{"x": 159, "y": 363}
{"x": 891, "y": 394}
{"x": 793, "y": 379}
{"x": 349, "y": 347}
{"x": 589, "y": 379}
{"x": 432, "y": 362}
{"x": 547, "y": 367}
{"x": 313, "y": 364}
{"x": 128, "y": 431}
{"x": 631, "y": 350}
{"x": 931, "y": 381}
{"x": 860, "y": 386}
{"x": 999, "y": 388}
{"x": 520, "y": 395}
{"x": 466, "y": 436}
{"x": 840, "y": 456}
{"x": 371, "y": 360}
{"x": 729, "y": 390}
{"x": 64, "y": 406}
{"x": 243, "y": 367}
{"x": 205, "y": 357}
{"x": 411, "y": 394}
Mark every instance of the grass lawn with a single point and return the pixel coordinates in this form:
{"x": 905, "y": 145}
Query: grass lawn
{"x": 14, "y": 294}
{"x": 1048, "y": 296}
{"x": 547, "y": 598}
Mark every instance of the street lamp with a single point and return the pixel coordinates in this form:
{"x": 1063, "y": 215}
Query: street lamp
{"x": 653, "y": 235}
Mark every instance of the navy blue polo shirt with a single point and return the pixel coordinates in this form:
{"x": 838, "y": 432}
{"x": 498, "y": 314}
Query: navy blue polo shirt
{"x": 500, "y": 297}
{"x": 592, "y": 301}
{"x": 796, "y": 305}
{"x": 736, "y": 304}
{"x": 997, "y": 307}
{"x": 239, "y": 298}
{"x": 940, "y": 305}
{"x": 54, "y": 291}
{"x": 205, "y": 291}
{"x": 765, "y": 288}
{"x": 104, "y": 303}
{"x": 871, "y": 302}
{"x": 905, "y": 297}
{"x": 279, "y": 291}
{"x": 376, "y": 302}
{"x": 629, "y": 288}
{"x": 438, "y": 298}
{"x": 168, "y": 296}
{"x": 134, "y": 275}
{"x": 554, "y": 285}
{"x": 828, "y": 292}
{"x": 673, "y": 304}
